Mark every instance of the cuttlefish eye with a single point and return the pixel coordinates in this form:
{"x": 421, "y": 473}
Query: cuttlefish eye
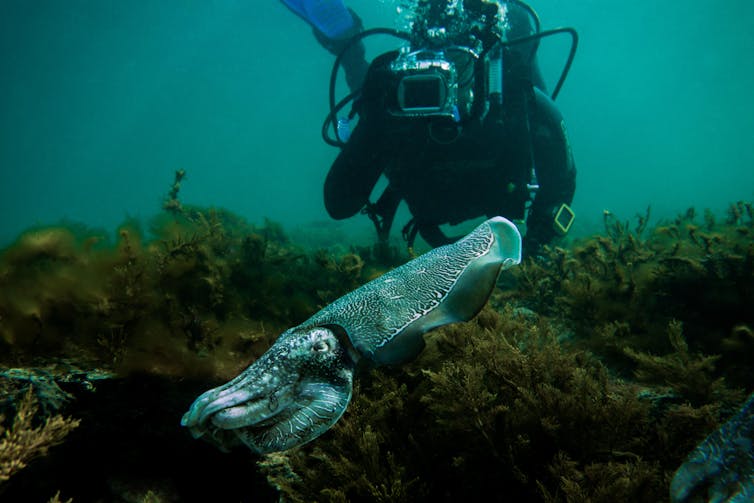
{"x": 321, "y": 346}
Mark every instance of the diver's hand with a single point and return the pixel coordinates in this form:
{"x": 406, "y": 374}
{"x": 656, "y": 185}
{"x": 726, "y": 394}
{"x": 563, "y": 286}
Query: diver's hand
{"x": 721, "y": 468}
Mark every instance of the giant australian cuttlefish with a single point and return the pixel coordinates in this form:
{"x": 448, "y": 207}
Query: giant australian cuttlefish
{"x": 302, "y": 385}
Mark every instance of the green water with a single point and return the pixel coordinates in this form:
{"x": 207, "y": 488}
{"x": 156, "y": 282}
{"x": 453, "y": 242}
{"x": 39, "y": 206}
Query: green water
{"x": 100, "y": 101}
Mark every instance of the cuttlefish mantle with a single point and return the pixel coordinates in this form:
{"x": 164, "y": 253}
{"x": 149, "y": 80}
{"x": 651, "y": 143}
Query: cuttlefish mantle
{"x": 302, "y": 385}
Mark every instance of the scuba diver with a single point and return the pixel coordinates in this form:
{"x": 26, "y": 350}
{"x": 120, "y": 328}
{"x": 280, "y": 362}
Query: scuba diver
{"x": 458, "y": 121}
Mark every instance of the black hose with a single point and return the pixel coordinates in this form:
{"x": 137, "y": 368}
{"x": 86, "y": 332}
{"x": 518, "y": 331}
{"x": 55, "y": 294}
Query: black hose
{"x": 571, "y": 53}
{"x": 332, "y": 118}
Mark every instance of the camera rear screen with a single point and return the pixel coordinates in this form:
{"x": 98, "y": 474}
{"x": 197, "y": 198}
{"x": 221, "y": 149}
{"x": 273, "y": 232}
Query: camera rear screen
{"x": 421, "y": 92}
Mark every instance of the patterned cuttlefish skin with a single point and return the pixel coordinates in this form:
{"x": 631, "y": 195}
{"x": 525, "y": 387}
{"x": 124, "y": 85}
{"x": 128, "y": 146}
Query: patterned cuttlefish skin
{"x": 721, "y": 468}
{"x": 302, "y": 385}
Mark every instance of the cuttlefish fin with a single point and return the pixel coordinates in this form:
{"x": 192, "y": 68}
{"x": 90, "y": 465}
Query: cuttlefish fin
{"x": 386, "y": 318}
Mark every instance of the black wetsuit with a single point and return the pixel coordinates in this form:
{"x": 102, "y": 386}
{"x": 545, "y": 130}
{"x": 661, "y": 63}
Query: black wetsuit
{"x": 449, "y": 174}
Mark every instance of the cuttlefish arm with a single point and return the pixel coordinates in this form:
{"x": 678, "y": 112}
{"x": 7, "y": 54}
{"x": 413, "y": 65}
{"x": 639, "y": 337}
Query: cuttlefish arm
{"x": 721, "y": 468}
{"x": 302, "y": 385}
{"x": 292, "y": 394}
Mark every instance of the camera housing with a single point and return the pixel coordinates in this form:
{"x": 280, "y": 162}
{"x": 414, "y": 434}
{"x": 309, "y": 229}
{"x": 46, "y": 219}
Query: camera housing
{"x": 426, "y": 85}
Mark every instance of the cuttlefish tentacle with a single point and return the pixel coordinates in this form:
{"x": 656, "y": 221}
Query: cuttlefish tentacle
{"x": 293, "y": 393}
{"x": 302, "y": 385}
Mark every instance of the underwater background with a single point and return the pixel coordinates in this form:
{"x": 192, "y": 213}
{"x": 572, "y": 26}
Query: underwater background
{"x": 162, "y": 222}
{"x": 102, "y": 101}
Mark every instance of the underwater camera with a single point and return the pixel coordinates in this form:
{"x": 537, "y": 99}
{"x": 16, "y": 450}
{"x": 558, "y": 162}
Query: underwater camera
{"x": 433, "y": 83}
{"x": 441, "y": 82}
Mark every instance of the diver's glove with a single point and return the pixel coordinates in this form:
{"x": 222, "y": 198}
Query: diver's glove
{"x": 354, "y": 61}
{"x": 721, "y": 468}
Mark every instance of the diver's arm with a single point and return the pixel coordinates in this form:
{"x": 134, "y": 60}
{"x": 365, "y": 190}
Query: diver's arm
{"x": 354, "y": 173}
{"x": 556, "y": 172}
{"x": 362, "y": 159}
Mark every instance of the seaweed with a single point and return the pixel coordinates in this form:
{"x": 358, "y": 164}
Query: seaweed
{"x": 519, "y": 393}
{"x": 590, "y": 376}
{"x": 690, "y": 376}
{"x": 497, "y": 395}
{"x": 506, "y": 394}
{"x": 359, "y": 464}
{"x": 634, "y": 281}
{"x": 22, "y": 442}
{"x": 200, "y": 294}
{"x": 56, "y": 499}
{"x": 631, "y": 480}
